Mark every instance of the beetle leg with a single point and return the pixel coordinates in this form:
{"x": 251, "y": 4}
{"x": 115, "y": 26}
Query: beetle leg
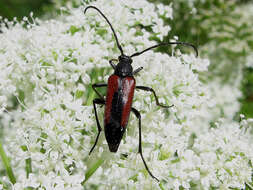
{"x": 156, "y": 98}
{"x": 101, "y": 102}
{"x": 138, "y": 115}
{"x": 97, "y": 85}
{"x": 112, "y": 64}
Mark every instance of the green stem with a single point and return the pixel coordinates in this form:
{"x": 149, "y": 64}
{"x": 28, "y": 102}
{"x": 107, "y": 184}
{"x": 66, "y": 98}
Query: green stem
{"x": 91, "y": 97}
{"x": 92, "y": 170}
{"x": 28, "y": 166}
{"x": 7, "y": 165}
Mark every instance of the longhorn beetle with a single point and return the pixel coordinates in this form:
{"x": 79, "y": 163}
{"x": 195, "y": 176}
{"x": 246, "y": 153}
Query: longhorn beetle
{"x": 120, "y": 92}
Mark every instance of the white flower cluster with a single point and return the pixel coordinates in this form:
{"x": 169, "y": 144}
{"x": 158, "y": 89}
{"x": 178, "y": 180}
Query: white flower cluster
{"x": 46, "y": 71}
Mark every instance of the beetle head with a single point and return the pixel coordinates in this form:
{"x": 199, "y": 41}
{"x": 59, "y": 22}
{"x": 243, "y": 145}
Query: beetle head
{"x": 125, "y": 59}
{"x": 124, "y": 67}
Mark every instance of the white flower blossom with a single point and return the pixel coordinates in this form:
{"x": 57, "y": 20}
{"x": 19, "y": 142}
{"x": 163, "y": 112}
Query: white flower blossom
{"x": 46, "y": 72}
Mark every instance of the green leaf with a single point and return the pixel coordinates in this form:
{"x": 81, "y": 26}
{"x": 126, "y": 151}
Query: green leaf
{"x": 175, "y": 160}
{"x": 46, "y": 64}
{"x": 7, "y": 166}
{"x": 163, "y": 155}
{"x": 93, "y": 169}
{"x": 73, "y": 30}
{"x": 134, "y": 178}
{"x": 161, "y": 186}
{"x": 24, "y": 148}
{"x": 101, "y": 32}
{"x": 28, "y": 166}
{"x": 21, "y": 97}
{"x": 79, "y": 94}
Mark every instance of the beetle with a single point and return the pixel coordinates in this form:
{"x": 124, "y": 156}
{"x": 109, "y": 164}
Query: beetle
{"x": 119, "y": 96}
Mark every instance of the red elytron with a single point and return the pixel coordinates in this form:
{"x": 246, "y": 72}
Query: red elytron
{"x": 120, "y": 92}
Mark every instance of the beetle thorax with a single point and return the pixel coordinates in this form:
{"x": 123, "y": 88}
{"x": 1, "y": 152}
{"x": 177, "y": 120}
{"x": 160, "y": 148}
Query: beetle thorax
{"x": 124, "y": 67}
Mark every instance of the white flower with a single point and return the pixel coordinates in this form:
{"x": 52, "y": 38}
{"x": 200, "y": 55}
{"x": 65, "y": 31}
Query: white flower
{"x": 50, "y": 66}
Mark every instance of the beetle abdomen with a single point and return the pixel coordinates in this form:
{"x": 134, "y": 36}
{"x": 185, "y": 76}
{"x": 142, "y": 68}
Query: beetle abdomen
{"x": 117, "y": 109}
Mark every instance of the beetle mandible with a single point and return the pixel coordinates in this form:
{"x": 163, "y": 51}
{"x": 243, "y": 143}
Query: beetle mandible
{"x": 119, "y": 97}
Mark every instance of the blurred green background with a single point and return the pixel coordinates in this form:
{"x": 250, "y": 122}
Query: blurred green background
{"x": 188, "y": 27}
{"x": 21, "y": 8}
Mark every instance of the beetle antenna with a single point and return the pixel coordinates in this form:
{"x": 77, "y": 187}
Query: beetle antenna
{"x": 114, "y": 33}
{"x": 165, "y": 44}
